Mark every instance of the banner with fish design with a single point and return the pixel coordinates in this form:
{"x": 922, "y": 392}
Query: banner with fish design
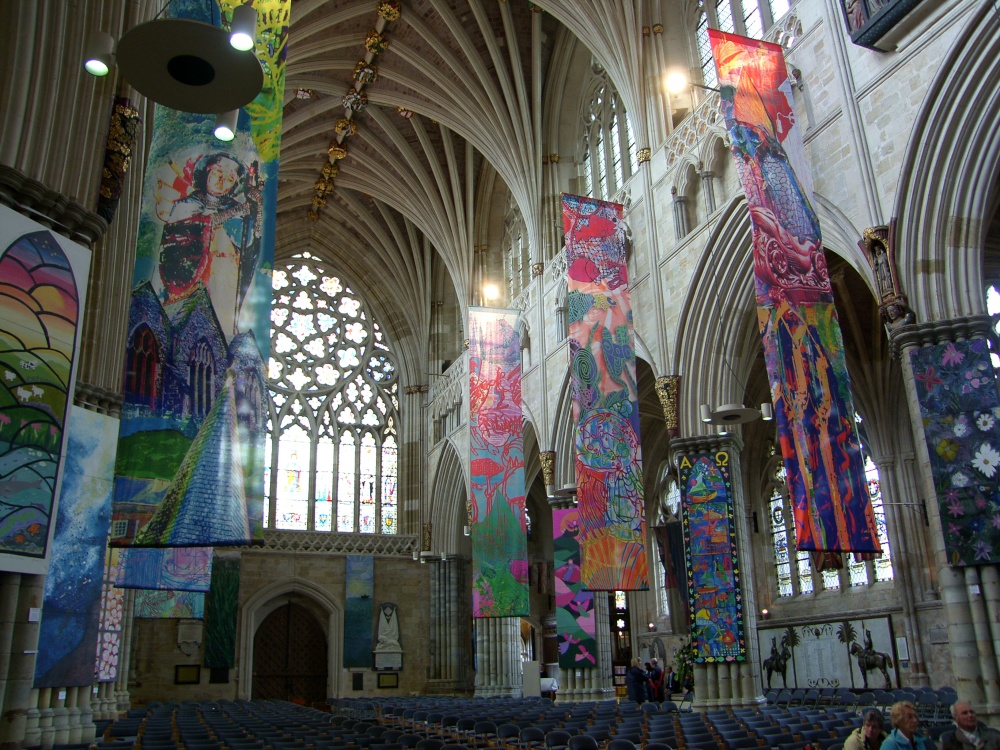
{"x": 43, "y": 280}
{"x": 803, "y": 345}
{"x": 496, "y": 456}
{"x": 190, "y": 470}
{"x": 605, "y": 398}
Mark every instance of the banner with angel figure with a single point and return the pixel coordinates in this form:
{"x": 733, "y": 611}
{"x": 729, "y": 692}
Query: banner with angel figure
{"x": 496, "y": 454}
{"x": 803, "y": 345}
{"x": 190, "y": 454}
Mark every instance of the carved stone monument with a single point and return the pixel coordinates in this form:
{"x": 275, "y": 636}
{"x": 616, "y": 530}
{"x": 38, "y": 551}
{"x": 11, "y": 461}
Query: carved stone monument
{"x": 388, "y": 651}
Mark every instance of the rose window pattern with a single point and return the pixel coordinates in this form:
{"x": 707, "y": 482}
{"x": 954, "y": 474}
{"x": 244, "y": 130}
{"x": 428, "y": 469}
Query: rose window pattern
{"x": 332, "y": 450}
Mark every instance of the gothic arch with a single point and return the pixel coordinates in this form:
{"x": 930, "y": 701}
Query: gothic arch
{"x": 449, "y": 493}
{"x": 274, "y": 595}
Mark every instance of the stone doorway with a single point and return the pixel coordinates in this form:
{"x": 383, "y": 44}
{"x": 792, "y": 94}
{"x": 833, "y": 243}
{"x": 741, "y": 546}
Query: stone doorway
{"x": 290, "y": 657}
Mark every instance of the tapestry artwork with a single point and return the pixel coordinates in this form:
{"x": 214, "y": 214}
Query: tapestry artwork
{"x": 715, "y": 599}
{"x": 576, "y": 626}
{"x": 803, "y": 345}
{"x": 190, "y": 468}
{"x": 496, "y": 461}
{"x": 957, "y": 392}
{"x": 176, "y": 568}
{"x": 605, "y": 407}
{"x": 169, "y": 605}
{"x": 359, "y": 611}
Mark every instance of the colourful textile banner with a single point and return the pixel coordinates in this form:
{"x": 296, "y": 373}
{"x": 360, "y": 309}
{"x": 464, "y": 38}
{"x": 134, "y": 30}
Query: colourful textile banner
{"x": 803, "y": 346}
{"x": 221, "y": 607}
{"x": 713, "y": 567}
{"x": 496, "y": 458}
{"x": 43, "y": 278}
{"x": 359, "y": 611}
{"x": 173, "y": 569}
{"x": 110, "y": 627}
{"x": 190, "y": 458}
{"x": 71, "y": 609}
{"x": 957, "y": 392}
{"x": 576, "y": 626}
{"x": 605, "y": 398}
{"x": 167, "y": 605}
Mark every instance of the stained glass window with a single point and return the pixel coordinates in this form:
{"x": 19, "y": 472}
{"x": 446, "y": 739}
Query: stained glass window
{"x": 334, "y": 406}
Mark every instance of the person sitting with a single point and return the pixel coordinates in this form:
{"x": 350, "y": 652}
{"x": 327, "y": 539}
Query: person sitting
{"x": 970, "y": 733}
{"x": 906, "y": 734}
{"x": 869, "y": 735}
{"x": 670, "y": 683}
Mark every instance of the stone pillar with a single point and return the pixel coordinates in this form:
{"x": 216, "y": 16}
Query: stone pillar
{"x": 122, "y": 697}
{"x": 973, "y": 656}
{"x": 45, "y": 717}
{"x": 450, "y": 635}
{"x": 24, "y": 648}
{"x": 33, "y": 721}
{"x": 708, "y": 188}
{"x": 682, "y": 226}
{"x": 60, "y": 717}
{"x": 9, "y": 585}
{"x": 498, "y": 657}
{"x": 734, "y": 683}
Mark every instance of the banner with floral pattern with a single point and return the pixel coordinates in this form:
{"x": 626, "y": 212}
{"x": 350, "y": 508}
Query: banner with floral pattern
{"x": 496, "y": 459}
{"x": 803, "y": 345}
{"x": 576, "y": 627}
{"x": 960, "y": 408}
{"x": 713, "y": 564}
{"x": 605, "y": 398}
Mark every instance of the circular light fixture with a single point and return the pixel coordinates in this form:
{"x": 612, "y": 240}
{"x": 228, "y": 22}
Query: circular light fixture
{"x": 491, "y": 291}
{"x": 189, "y": 66}
{"x": 225, "y": 125}
{"x": 675, "y": 81}
{"x": 243, "y": 29}
{"x": 99, "y": 54}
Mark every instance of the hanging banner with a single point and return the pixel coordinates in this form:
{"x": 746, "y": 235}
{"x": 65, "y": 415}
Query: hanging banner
{"x": 605, "y": 398}
{"x": 110, "y": 627}
{"x": 175, "y": 569}
{"x": 713, "y": 567}
{"x": 43, "y": 277}
{"x": 576, "y": 624}
{"x": 221, "y": 607}
{"x": 190, "y": 457}
{"x": 803, "y": 346}
{"x": 957, "y": 392}
{"x": 169, "y": 605}
{"x": 71, "y": 609}
{"x": 496, "y": 459}
{"x": 359, "y": 611}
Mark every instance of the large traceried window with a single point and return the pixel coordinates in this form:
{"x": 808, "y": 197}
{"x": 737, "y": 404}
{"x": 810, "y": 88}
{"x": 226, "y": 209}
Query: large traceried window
{"x": 516, "y": 254}
{"x": 794, "y": 569}
{"x": 610, "y": 156}
{"x": 331, "y": 453}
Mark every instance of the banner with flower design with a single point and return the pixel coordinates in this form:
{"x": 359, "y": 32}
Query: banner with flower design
{"x": 803, "y": 345}
{"x": 960, "y": 408}
{"x": 605, "y": 398}
{"x": 576, "y": 626}
{"x": 496, "y": 457}
{"x": 190, "y": 467}
{"x": 713, "y": 566}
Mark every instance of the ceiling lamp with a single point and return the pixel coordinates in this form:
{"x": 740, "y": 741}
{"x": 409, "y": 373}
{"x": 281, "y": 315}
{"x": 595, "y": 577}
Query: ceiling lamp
{"x": 185, "y": 65}
{"x": 225, "y": 125}
{"x": 731, "y": 414}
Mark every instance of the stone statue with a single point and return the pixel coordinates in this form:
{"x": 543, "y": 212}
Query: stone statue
{"x": 388, "y": 629}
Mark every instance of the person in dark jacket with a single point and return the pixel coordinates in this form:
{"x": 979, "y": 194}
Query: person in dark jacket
{"x": 970, "y": 733}
{"x": 655, "y": 676}
{"x": 635, "y": 681}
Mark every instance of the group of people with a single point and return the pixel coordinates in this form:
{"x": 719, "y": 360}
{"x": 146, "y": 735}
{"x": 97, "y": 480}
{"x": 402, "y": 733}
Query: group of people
{"x": 969, "y": 733}
{"x": 650, "y": 683}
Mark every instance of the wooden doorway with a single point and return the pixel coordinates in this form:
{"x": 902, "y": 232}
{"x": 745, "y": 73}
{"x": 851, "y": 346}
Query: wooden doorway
{"x": 290, "y": 656}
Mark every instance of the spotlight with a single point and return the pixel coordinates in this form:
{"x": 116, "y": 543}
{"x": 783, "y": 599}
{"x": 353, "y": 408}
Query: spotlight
{"x": 243, "y": 29}
{"x": 766, "y": 412}
{"x": 99, "y": 54}
{"x": 491, "y": 292}
{"x": 225, "y": 124}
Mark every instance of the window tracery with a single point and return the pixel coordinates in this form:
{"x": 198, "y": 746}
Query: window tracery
{"x": 610, "y": 156}
{"x": 745, "y": 17}
{"x": 333, "y": 408}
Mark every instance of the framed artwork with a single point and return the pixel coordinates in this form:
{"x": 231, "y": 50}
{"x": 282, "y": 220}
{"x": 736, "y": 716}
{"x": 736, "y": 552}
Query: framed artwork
{"x": 388, "y": 680}
{"x": 187, "y": 674}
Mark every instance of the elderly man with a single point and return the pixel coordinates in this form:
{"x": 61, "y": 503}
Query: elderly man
{"x": 905, "y": 734}
{"x": 869, "y": 735}
{"x": 970, "y": 733}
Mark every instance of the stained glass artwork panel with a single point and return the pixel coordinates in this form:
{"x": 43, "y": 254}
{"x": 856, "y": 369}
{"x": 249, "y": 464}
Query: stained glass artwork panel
{"x": 345, "y": 483}
{"x": 369, "y": 468}
{"x": 389, "y": 485}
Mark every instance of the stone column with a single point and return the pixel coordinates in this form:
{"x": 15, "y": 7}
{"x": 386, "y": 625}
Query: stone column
{"x": 732, "y": 683}
{"x": 682, "y": 226}
{"x": 708, "y": 188}
{"x": 498, "y": 657}
{"x": 24, "y": 648}
{"x": 973, "y": 656}
{"x": 45, "y": 717}
{"x": 122, "y": 696}
{"x": 450, "y": 635}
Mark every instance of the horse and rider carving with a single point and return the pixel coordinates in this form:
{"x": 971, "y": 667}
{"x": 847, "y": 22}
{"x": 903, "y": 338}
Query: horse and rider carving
{"x": 868, "y": 660}
{"x": 777, "y": 662}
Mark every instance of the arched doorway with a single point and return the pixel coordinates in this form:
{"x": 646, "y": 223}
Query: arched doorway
{"x": 290, "y": 657}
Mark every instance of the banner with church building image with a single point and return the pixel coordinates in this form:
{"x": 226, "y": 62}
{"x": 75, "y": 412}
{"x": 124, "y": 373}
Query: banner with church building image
{"x": 715, "y": 598}
{"x": 190, "y": 456}
{"x": 803, "y": 345}
{"x": 605, "y": 398}
{"x": 498, "y": 523}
